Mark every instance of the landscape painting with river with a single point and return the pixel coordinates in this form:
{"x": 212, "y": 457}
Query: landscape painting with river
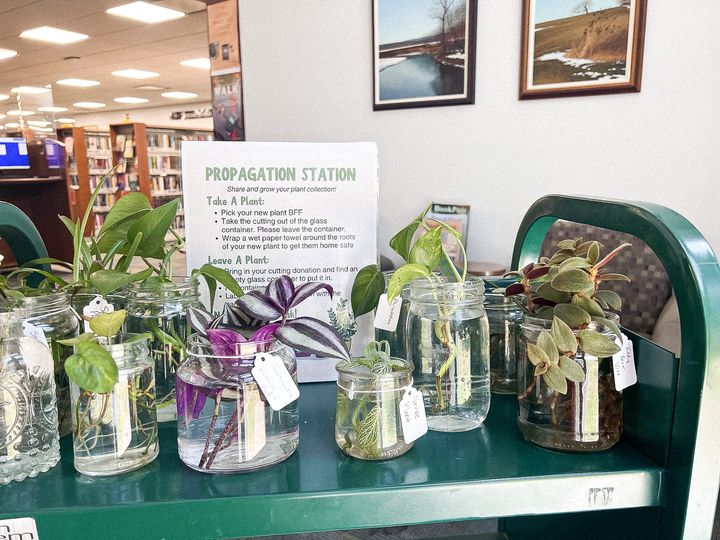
{"x": 423, "y": 52}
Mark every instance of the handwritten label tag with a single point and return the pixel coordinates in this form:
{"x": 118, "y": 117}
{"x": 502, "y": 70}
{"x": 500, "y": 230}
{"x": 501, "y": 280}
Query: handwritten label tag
{"x": 35, "y": 332}
{"x": 96, "y": 306}
{"x": 624, "y": 365}
{"x": 121, "y": 416}
{"x": 18, "y": 528}
{"x": 251, "y": 424}
{"x": 412, "y": 414}
{"x": 275, "y": 381}
{"x": 587, "y": 423}
{"x": 387, "y": 315}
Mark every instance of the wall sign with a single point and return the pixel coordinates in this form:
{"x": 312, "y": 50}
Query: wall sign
{"x": 261, "y": 210}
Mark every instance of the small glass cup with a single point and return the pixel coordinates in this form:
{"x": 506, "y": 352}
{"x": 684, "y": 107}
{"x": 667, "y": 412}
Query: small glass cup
{"x": 225, "y": 424}
{"x": 504, "y": 317}
{"x": 367, "y": 416}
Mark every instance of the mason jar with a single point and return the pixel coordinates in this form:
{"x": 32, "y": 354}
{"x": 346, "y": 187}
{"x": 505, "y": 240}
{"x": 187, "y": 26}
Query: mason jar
{"x": 117, "y": 432}
{"x": 160, "y": 309}
{"x": 368, "y": 421}
{"x": 396, "y": 339}
{"x": 588, "y": 418}
{"x": 29, "y": 440}
{"x": 225, "y": 425}
{"x": 448, "y": 342}
{"x": 52, "y": 316}
{"x": 504, "y": 316}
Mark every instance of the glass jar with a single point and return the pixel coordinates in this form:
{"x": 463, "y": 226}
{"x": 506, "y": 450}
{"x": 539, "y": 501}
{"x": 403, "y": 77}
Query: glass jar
{"x": 52, "y": 313}
{"x": 588, "y": 418}
{"x": 90, "y": 302}
{"x": 224, "y": 423}
{"x": 117, "y": 432}
{"x": 367, "y": 416}
{"x": 396, "y": 339}
{"x": 160, "y": 309}
{"x": 504, "y": 316}
{"x": 448, "y": 342}
{"x": 29, "y": 441}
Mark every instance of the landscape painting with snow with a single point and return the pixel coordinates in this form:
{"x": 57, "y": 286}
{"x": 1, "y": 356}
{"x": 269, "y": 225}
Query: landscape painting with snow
{"x": 587, "y": 46}
{"x": 424, "y": 52}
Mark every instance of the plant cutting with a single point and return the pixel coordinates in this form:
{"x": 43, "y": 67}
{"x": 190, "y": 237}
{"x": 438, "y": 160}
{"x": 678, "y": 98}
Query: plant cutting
{"x": 367, "y": 415}
{"x": 113, "y": 391}
{"x": 224, "y": 421}
{"x": 567, "y": 393}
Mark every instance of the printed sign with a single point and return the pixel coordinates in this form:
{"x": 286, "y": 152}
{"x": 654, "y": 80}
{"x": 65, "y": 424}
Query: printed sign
{"x": 20, "y": 528}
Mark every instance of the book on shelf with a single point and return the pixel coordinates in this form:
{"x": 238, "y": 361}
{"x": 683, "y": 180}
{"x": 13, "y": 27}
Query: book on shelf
{"x": 129, "y": 150}
{"x": 120, "y": 143}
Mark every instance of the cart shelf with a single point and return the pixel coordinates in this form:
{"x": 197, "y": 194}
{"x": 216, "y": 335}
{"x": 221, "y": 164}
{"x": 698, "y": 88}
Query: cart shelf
{"x": 490, "y": 472}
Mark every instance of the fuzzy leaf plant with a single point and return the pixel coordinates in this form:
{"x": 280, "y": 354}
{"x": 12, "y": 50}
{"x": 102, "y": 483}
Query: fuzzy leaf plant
{"x": 566, "y": 289}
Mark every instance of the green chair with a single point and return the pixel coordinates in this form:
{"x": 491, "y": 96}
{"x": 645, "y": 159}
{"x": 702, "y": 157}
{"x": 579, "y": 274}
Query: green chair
{"x": 23, "y": 237}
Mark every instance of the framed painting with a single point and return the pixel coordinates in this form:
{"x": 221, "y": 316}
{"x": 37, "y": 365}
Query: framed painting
{"x": 572, "y": 47}
{"x": 424, "y": 53}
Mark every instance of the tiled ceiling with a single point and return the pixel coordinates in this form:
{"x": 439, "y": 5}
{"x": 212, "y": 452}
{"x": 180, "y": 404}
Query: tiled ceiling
{"x": 115, "y": 43}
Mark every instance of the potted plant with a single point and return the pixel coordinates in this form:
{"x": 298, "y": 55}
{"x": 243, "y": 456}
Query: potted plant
{"x": 566, "y": 388}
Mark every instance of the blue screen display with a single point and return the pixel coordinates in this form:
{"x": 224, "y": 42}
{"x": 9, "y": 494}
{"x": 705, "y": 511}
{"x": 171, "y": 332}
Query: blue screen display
{"x": 53, "y": 152}
{"x": 13, "y": 153}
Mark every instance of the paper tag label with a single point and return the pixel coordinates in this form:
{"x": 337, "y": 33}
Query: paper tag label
{"x": 35, "y": 332}
{"x": 387, "y": 315}
{"x": 96, "y": 306}
{"x": 121, "y": 416}
{"x": 275, "y": 381}
{"x": 589, "y": 417}
{"x": 251, "y": 424}
{"x": 412, "y": 414}
{"x": 20, "y": 528}
{"x": 624, "y": 365}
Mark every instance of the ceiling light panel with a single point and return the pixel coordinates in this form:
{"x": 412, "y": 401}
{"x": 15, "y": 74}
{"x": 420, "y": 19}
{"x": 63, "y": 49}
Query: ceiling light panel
{"x": 135, "y": 74}
{"x": 20, "y": 113}
{"x": 179, "y": 95}
{"x": 11, "y": 125}
{"x": 52, "y": 109}
{"x": 89, "y": 105}
{"x": 53, "y": 35}
{"x": 82, "y": 83}
{"x": 3, "y": 97}
{"x": 130, "y": 99}
{"x": 66, "y": 120}
{"x": 200, "y": 63}
{"x": 7, "y": 53}
{"x": 151, "y": 87}
{"x": 145, "y": 12}
{"x": 30, "y": 90}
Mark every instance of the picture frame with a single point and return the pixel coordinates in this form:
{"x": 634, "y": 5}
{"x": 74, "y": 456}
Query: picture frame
{"x": 424, "y": 59}
{"x": 589, "y": 47}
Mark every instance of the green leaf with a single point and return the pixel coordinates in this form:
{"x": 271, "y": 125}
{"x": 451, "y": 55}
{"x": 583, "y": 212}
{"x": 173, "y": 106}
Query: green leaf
{"x": 402, "y": 241}
{"x": 547, "y": 292}
{"x": 428, "y": 249}
{"x": 107, "y": 281}
{"x": 108, "y": 324}
{"x": 214, "y": 274}
{"x": 588, "y": 304}
{"x": 367, "y": 288}
{"x": 139, "y": 337}
{"x": 563, "y": 336}
{"x": 448, "y": 269}
{"x": 546, "y": 343}
{"x": 571, "y": 369}
{"x": 571, "y": 280}
{"x": 92, "y": 368}
{"x": 593, "y": 253}
{"x": 575, "y": 262}
{"x": 611, "y": 298}
{"x": 129, "y": 207}
{"x": 154, "y": 225}
{"x": 596, "y": 344}
{"x": 404, "y": 275}
{"x": 609, "y": 325}
{"x": 574, "y": 316}
{"x": 368, "y": 430}
{"x": 537, "y": 355}
{"x": 87, "y": 336}
{"x": 613, "y": 277}
{"x": 555, "y": 379}
{"x": 566, "y": 244}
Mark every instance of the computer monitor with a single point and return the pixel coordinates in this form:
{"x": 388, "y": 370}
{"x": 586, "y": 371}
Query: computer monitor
{"x": 54, "y": 154}
{"x": 13, "y": 154}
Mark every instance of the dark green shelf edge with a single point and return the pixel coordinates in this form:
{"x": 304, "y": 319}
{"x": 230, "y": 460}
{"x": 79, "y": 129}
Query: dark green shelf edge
{"x": 485, "y": 473}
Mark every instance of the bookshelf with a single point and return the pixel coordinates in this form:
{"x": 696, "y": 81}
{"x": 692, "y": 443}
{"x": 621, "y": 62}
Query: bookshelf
{"x": 128, "y": 143}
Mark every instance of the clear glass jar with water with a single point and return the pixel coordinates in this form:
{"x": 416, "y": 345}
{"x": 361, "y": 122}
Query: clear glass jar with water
{"x": 117, "y": 432}
{"x": 224, "y": 423}
{"x": 504, "y": 316}
{"x": 448, "y": 342}
{"x": 29, "y": 441}
{"x": 160, "y": 309}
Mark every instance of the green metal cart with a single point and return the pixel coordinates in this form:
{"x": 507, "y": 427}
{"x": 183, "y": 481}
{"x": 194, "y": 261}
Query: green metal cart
{"x": 660, "y": 481}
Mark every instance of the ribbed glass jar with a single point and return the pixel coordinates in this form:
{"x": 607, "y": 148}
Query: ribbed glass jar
{"x": 224, "y": 423}
{"x": 53, "y": 313}
{"x": 448, "y": 342}
{"x": 160, "y": 309}
{"x": 588, "y": 418}
{"x": 397, "y": 338}
{"x": 504, "y": 316}
{"x": 117, "y": 432}
{"x": 29, "y": 441}
{"x": 368, "y": 424}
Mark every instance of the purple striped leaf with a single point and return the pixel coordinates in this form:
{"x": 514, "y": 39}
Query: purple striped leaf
{"x": 266, "y": 333}
{"x": 225, "y": 342}
{"x": 309, "y": 335}
{"x": 281, "y": 291}
{"x": 199, "y": 320}
{"x": 306, "y": 290}
{"x": 234, "y": 316}
{"x": 260, "y": 306}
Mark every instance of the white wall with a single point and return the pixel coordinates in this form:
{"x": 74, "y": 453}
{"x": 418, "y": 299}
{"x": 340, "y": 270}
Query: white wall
{"x": 156, "y": 116}
{"x": 307, "y": 68}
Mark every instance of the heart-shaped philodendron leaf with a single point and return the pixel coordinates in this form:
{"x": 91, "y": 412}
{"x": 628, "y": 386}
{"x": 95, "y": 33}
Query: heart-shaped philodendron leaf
{"x": 92, "y": 368}
{"x": 108, "y": 324}
{"x": 367, "y": 289}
